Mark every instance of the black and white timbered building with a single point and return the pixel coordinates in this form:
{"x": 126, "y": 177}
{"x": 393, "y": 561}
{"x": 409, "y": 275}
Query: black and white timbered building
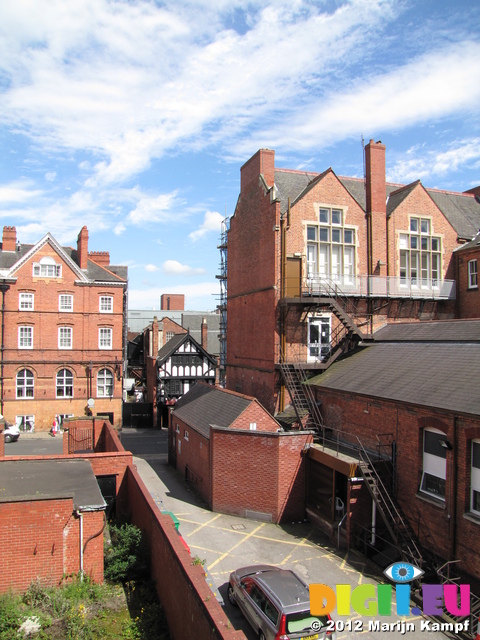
{"x": 181, "y": 363}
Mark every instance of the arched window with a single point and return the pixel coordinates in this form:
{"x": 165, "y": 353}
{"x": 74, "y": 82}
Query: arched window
{"x": 434, "y": 463}
{"x": 64, "y": 384}
{"x": 25, "y": 384}
{"x": 104, "y": 383}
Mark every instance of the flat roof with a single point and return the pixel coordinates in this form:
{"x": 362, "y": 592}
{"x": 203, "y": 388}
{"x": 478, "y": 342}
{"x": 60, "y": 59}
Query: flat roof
{"x": 24, "y": 480}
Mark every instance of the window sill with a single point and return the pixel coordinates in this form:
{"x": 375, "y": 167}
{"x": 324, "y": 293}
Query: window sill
{"x": 472, "y": 288}
{"x": 472, "y": 517}
{"x": 436, "y": 502}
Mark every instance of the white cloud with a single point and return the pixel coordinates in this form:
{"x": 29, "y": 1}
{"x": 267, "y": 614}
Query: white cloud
{"x": 19, "y": 192}
{"x": 50, "y": 176}
{"x": 151, "y": 268}
{"x": 174, "y": 268}
{"x": 421, "y": 163}
{"x": 153, "y": 209}
{"x": 212, "y": 221}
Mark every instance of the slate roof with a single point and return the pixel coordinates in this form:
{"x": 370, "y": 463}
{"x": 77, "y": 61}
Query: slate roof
{"x": 462, "y": 210}
{"x": 174, "y": 343}
{"x": 438, "y": 374}
{"x": 205, "y": 405}
{"x": 438, "y": 331}
{"x": 95, "y": 272}
{"x": 41, "y": 480}
{"x": 193, "y": 322}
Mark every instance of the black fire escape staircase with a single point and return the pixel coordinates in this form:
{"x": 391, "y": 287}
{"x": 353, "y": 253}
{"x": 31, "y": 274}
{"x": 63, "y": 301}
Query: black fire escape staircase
{"x": 395, "y": 521}
{"x": 302, "y": 397}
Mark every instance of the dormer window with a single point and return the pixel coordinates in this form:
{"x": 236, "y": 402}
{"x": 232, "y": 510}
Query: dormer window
{"x": 47, "y": 268}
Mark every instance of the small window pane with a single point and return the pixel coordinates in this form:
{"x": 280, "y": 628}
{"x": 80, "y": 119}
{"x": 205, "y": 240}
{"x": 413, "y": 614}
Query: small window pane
{"x": 425, "y": 226}
{"x": 414, "y": 225}
{"x": 25, "y": 301}
{"x": 348, "y": 236}
{"x": 414, "y": 242}
{"x": 435, "y": 244}
{"x": 311, "y": 233}
{"x": 425, "y": 243}
{"x": 336, "y": 216}
{"x": 65, "y": 302}
{"x": 106, "y": 304}
{"x": 324, "y": 235}
{"x": 324, "y": 217}
{"x": 432, "y": 444}
{"x": 336, "y": 237}
{"x": 476, "y": 455}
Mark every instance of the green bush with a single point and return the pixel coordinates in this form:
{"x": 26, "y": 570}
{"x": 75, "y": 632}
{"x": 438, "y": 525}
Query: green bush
{"x": 126, "y": 558}
{"x": 10, "y": 616}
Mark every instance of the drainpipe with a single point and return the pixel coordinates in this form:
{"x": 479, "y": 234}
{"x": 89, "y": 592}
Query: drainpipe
{"x": 80, "y": 516}
{"x": 3, "y": 288}
{"x": 453, "y": 492}
{"x": 285, "y": 225}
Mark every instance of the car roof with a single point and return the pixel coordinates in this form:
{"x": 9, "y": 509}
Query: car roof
{"x": 286, "y": 587}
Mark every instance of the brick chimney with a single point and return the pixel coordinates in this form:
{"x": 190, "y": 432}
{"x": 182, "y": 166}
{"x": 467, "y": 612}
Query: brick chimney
{"x": 262, "y": 163}
{"x": 154, "y": 337}
{"x": 376, "y": 211}
{"x": 204, "y": 334}
{"x": 82, "y": 248}
{"x": 9, "y": 240}
{"x": 100, "y": 257}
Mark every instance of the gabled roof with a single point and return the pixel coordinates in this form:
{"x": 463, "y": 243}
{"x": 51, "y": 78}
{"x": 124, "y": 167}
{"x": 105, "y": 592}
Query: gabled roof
{"x": 462, "y": 210}
{"x": 205, "y": 405}
{"x": 174, "y": 344}
{"x": 473, "y": 244}
{"x": 11, "y": 261}
{"x": 438, "y": 375}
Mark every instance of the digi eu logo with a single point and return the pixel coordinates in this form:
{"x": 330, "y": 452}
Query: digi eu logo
{"x": 373, "y": 600}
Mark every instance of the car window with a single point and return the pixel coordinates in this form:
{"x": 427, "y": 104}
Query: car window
{"x": 302, "y": 621}
{"x": 247, "y": 585}
{"x": 271, "y": 612}
{"x": 258, "y": 597}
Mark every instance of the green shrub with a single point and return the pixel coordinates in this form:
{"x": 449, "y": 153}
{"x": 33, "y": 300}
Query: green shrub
{"x": 10, "y": 616}
{"x": 126, "y": 557}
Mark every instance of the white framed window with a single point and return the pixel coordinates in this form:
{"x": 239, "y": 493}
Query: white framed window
{"x": 25, "y": 301}
{"x": 25, "y": 383}
{"x": 65, "y": 302}
{"x": 185, "y": 434}
{"x": 104, "y": 338}
{"x": 25, "y": 423}
{"x": 475, "y": 478}
{"x": 169, "y": 335}
{"x": 104, "y": 383}
{"x": 64, "y": 383}
{"x": 472, "y": 274}
{"x": 25, "y": 337}
{"x": 331, "y": 246}
{"x": 65, "y": 337}
{"x": 47, "y": 268}
{"x": 106, "y": 304}
{"x": 434, "y": 463}
{"x": 420, "y": 254}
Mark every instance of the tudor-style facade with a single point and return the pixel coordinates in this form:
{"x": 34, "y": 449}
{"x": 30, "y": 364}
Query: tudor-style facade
{"x": 63, "y": 320}
{"x": 180, "y": 364}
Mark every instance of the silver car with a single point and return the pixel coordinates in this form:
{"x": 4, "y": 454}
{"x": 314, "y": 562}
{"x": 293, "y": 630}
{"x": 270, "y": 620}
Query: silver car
{"x": 276, "y": 602}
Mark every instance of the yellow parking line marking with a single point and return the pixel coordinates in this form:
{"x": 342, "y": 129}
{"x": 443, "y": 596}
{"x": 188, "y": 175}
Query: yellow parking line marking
{"x": 300, "y": 544}
{"x": 205, "y": 524}
{"x": 223, "y": 556}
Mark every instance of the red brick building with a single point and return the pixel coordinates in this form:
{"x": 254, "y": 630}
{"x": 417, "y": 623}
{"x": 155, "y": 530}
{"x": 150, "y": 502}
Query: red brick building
{"x": 468, "y": 293}
{"x": 63, "y": 338}
{"x": 221, "y": 441}
{"x": 317, "y": 262}
{"x": 408, "y": 404}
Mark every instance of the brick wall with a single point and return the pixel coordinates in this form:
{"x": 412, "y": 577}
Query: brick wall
{"x": 190, "y": 607}
{"x": 446, "y": 526}
{"x": 237, "y": 460}
{"x": 468, "y": 300}
{"x": 192, "y": 456}
{"x": 45, "y": 537}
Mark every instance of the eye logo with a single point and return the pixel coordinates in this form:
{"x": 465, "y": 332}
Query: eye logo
{"x": 403, "y": 572}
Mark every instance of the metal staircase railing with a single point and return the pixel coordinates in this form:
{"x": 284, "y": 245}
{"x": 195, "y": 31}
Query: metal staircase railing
{"x": 397, "y": 525}
{"x": 301, "y": 395}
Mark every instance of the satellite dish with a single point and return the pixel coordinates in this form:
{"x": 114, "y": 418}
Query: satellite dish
{"x": 90, "y": 403}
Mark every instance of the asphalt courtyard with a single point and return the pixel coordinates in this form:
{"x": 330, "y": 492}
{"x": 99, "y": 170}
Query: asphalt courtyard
{"x": 224, "y": 543}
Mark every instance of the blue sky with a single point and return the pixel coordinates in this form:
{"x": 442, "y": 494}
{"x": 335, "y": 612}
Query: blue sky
{"x": 133, "y": 118}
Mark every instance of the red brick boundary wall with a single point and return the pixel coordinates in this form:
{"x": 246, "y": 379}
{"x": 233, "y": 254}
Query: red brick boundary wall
{"x": 190, "y": 606}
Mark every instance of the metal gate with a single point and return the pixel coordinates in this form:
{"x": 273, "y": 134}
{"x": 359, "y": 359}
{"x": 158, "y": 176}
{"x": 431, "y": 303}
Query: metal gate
{"x": 138, "y": 415}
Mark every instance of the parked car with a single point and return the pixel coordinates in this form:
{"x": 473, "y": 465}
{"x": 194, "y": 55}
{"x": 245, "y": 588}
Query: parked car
{"x": 11, "y": 432}
{"x": 276, "y": 602}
